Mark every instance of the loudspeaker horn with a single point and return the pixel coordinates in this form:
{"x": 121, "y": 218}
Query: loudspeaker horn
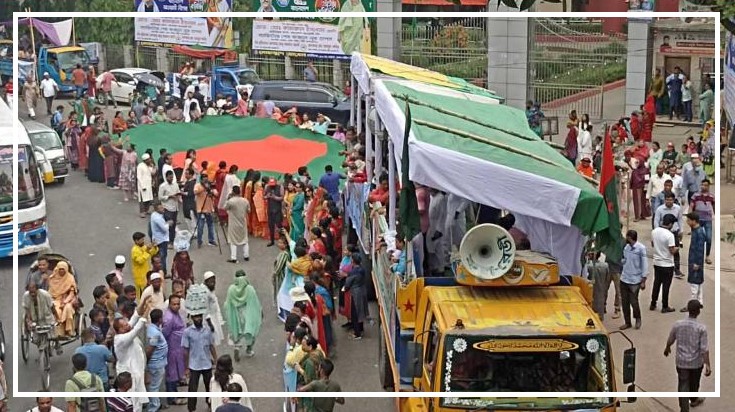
{"x": 487, "y": 251}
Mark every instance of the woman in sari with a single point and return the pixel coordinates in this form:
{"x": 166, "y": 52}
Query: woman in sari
{"x": 92, "y": 83}
{"x": 297, "y": 211}
{"x": 248, "y": 185}
{"x": 71, "y": 143}
{"x": 649, "y": 118}
{"x": 322, "y": 316}
{"x": 261, "y": 226}
{"x": 128, "y": 166}
{"x": 308, "y": 369}
{"x": 570, "y": 144}
{"x": 96, "y": 171}
{"x": 190, "y": 162}
{"x": 63, "y": 290}
{"x": 119, "y": 124}
{"x": 314, "y": 207}
{"x": 111, "y": 152}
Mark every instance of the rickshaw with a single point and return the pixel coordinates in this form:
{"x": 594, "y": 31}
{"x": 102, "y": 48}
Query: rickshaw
{"x": 42, "y": 335}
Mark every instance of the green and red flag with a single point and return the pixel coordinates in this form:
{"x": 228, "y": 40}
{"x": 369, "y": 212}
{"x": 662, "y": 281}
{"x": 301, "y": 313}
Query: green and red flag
{"x": 408, "y": 204}
{"x": 249, "y": 143}
{"x": 610, "y": 240}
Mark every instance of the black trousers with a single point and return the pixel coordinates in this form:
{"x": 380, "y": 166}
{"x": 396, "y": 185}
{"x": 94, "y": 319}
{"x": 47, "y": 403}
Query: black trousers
{"x": 171, "y": 229}
{"x": 194, "y": 385}
{"x": 357, "y": 327}
{"x": 662, "y": 278}
{"x": 677, "y": 257}
{"x": 49, "y": 104}
{"x": 275, "y": 220}
{"x": 629, "y": 298}
{"x": 688, "y": 382}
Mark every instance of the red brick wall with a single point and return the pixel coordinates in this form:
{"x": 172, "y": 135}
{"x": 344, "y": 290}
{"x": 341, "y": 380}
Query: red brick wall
{"x": 616, "y": 25}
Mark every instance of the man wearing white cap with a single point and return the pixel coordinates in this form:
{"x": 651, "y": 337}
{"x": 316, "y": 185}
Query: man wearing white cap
{"x": 145, "y": 183}
{"x": 154, "y": 292}
{"x": 49, "y": 88}
{"x": 119, "y": 266}
{"x": 214, "y": 313}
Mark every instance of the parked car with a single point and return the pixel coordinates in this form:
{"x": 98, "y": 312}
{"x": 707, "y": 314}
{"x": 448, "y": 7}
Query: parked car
{"x": 46, "y": 141}
{"x": 126, "y": 82}
{"x": 307, "y": 97}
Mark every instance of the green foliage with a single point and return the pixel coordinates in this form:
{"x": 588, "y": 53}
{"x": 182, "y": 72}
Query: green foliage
{"x": 243, "y": 26}
{"x": 112, "y": 31}
{"x": 727, "y": 8}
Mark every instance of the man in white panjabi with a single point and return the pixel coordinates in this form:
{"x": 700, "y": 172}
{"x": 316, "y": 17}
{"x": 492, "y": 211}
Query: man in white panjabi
{"x": 130, "y": 353}
{"x": 145, "y": 184}
{"x": 214, "y": 313}
{"x": 456, "y": 220}
{"x": 237, "y": 224}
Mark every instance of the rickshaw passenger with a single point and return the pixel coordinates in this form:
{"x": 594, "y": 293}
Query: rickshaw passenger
{"x": 40, "y": 274}
{"x": 63, "y": 290}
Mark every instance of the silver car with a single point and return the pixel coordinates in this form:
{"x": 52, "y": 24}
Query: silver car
{"x": 48, "y": 142}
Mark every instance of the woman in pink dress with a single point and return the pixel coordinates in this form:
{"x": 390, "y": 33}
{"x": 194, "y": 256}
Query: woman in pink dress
{"x": 127, "y": 171}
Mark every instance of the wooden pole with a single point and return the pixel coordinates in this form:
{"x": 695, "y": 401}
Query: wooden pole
{"x": 34, "y": 69}
{"x": 73, "y": 32}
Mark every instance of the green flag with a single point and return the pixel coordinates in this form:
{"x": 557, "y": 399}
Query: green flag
{"x": 407, "y": 203}
{"x": 610, "y": 240}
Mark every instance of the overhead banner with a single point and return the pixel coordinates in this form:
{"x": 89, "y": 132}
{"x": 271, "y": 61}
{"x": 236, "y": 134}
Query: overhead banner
{"x": 729, "y": 69}
{"x": 207, "y": 32}
{"x": 320, "y": 38}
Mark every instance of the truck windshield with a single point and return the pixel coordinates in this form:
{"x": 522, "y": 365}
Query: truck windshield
{"x": 526, "y": 364}
{"x": 47, "y": 140}
{"x": 69, "y": 60}
{"x": 30, "y": 191}
{"x": 247, "y": 77}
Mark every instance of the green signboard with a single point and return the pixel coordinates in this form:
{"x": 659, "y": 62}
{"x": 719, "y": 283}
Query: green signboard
{"x": 326, "y": 6}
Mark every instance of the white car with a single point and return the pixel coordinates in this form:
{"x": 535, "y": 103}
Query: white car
{"x": 125, "y": 82}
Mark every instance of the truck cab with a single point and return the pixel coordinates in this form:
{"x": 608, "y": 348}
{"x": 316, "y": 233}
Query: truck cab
{"x": 60, "y": 62}
{"x": 527, "y": 330}
{"x": 230, "y": 80}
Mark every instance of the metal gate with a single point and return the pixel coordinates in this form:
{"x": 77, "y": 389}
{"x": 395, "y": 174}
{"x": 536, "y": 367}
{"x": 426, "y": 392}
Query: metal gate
{"x": 452, "y": 46}
{"x": 575, "y": 66}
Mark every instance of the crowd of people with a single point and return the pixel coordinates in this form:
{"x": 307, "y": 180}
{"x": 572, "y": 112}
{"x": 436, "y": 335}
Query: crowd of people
{"x": 143, "y": 338}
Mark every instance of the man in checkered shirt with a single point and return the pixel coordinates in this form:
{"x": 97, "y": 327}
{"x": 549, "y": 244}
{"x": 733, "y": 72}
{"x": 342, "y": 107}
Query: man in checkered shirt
{"x": 692, "y": 354}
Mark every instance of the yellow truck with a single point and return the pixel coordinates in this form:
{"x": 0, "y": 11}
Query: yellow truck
{"x": 528, "y": 330}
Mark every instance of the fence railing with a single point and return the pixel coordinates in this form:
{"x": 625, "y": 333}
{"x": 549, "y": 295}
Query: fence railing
{"x": 560, "y": 99}
{"x": 455, "y": 47}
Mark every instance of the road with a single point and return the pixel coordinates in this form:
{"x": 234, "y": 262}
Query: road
{"x": 91, "y": 225}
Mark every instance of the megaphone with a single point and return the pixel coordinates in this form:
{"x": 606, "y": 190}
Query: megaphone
{"x": 487, "y": 251}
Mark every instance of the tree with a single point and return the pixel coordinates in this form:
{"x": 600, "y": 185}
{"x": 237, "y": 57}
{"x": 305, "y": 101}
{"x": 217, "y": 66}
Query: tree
{"x": 118, "y": 30}
{"x": 727, "y": 10}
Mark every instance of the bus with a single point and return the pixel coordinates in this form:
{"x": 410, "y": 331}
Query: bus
{"x": 32, "y": 226}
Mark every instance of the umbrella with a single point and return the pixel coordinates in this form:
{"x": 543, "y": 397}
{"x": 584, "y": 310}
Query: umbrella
{"x": 149, "y": 79}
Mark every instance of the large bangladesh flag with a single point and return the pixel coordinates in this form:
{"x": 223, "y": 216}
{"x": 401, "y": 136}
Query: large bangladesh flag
{"x": 250, "y": 143}
{"x": 610, "y": 241}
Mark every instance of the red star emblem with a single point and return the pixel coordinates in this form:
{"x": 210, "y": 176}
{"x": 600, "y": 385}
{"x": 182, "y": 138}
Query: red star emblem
{"x": 610, "y": 207}
{"x": 408, "y": 306}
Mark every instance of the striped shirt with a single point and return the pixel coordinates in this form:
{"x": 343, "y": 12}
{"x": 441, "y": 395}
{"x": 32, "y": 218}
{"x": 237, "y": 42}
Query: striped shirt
{"x": 691, "y": 343}
{"x": 119, "y": 404}
{"x": 704, "y": 205}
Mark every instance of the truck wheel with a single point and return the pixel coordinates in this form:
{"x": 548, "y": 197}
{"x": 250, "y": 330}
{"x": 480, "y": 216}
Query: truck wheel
{"x": 60, "y": 180}
{"x": 385, "y": 370}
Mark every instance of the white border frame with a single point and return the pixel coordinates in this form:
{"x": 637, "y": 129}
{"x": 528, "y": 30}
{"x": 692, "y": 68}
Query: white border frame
{"x": 620, "y": 395}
